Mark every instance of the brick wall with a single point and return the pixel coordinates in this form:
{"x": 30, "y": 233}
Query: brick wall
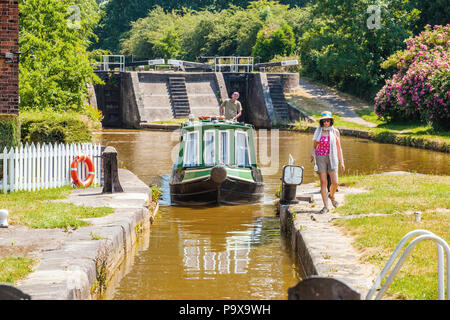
{"x": 9, "y": 68}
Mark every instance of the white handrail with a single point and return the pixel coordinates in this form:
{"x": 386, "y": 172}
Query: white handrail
{"x": 424, "y": 235}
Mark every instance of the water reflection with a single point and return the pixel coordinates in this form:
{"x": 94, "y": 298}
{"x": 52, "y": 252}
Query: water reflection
{"x": 149, "y": 155}
{"x": 222, "y": 253}
{"x": 233, "y": 252}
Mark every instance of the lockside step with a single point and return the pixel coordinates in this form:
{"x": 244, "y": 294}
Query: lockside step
{"x": 178, "y": 97}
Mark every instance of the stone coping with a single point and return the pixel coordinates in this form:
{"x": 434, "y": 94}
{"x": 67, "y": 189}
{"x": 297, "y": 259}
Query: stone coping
{"x": 160, "y": 126}
{"x": 70, "y": 268}
{"x": 324, "y": 249}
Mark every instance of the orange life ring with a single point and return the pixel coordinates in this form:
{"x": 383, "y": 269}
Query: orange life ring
{"x": 74, "y": 171}
{"x": 204, "y": 117}
{"x": 220, "y": 117}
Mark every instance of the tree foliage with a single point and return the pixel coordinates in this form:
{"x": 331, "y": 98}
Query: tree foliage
{"x": 274, "y": 40}
{"x": 119, "y": 15}
{"x": 340, "y": 49}
{"x": 231, "y": 31}
{"x": 434, "y": 12}
{"x": 55, "y": 66}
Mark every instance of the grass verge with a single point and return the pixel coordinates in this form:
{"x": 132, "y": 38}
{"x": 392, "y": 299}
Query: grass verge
{"x": 377, "y": 236}
{"x": 392, "y": 194}
{"x": 172, "y": 121}
{"x": 13, "y": 269}
{"x": 35, "y": 210}
{"x": 410, "y": 134}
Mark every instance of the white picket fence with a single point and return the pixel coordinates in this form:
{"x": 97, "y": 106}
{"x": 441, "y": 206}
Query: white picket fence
{"x": 34, "y": 167}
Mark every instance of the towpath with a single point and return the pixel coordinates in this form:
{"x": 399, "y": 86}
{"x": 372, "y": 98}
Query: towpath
{"x": 325, "y": 249}
{"x": 317, "y": 98}
{"x": 68, "y": 260}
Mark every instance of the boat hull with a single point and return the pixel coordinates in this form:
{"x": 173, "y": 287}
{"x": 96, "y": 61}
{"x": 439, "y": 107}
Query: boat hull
{"x": 205, "y": 191}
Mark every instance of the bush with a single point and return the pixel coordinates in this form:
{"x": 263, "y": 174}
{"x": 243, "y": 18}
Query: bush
{"x": 189, "y": 34}
{"x": 339, "y": 49}
{"x": 9, "y": 134}
{"x": 420, "y": 88}
{"x": 51, "y": 127}
{"x": 274, "y": 40}
{"x": 156, "y": 192}
{"x": 9, "y": 131}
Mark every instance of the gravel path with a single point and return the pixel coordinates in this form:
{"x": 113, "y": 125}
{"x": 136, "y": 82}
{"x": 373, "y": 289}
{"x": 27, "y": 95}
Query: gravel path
{"x": 336, "y": 103}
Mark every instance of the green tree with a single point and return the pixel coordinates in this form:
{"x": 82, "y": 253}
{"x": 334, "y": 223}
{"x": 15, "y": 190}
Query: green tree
{"x": 119, "y": 15}
{"x": 155, "y": 36}
{"x": 274, "y": 40}
{"x": 56, "y": 67}
{"x": 191, "y": 33}
{"x": 340, "y": 48}
{"x": 435, "y": 12}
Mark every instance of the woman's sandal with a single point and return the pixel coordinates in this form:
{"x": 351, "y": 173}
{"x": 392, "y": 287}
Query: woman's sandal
{"x": 324, "y": 210}
{"x": 333, "y": 201}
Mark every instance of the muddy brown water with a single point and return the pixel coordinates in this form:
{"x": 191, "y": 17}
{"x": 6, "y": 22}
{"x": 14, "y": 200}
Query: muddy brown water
{"x": 233, "y": 252}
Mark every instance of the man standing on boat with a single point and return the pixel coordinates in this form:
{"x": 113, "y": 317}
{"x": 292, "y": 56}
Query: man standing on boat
{"x": 233, "y": 108}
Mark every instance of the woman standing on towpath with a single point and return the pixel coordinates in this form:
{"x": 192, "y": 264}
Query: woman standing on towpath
{"x": 327, "y": 153}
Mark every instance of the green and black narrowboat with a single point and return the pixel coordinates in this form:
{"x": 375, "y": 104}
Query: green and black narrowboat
{"x": 216, "y": 164}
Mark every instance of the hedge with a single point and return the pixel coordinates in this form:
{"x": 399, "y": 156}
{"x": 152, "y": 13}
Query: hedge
{"x": 50, "y": 127}
{"x": 9, "y": 131}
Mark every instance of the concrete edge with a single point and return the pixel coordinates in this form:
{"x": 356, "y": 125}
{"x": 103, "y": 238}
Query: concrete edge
{"x": 324, "y": 252}
{"x": 298, "y": 243}
{"x": 89, "y": 257}
{"x": 163, "y": 126}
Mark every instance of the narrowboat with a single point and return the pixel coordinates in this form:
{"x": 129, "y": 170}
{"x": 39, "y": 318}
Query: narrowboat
{"x": 216, "y": 164}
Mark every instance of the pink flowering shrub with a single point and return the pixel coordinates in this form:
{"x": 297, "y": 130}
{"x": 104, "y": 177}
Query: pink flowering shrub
{"x": 420, "y": 90}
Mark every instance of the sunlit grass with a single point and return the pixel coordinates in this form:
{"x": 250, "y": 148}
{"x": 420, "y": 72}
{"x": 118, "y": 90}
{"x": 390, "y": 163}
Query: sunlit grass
{"x": 378, "y": 236}
{"x": 13, "y": 269}
{"x": 390, "y": 194}
{"x": 34, "y": 210}
{"x": 306, "y": 102}
{"x": 172, "y": 121}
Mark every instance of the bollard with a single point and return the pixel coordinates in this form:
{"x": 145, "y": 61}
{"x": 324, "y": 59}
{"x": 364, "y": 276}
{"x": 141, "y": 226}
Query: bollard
{"x": 417, "y": 216}
{"x": 3, "y": 218}
{"x": 110, "y": 170}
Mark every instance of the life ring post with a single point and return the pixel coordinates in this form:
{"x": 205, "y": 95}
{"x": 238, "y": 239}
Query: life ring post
{"x": 110, "y": 170}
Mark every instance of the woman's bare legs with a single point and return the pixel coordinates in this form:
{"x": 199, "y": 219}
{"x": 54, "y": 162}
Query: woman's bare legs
{"x": 334, "y": 186}
{"x": 323, "y": 188}
{"x": 334, "y": 182}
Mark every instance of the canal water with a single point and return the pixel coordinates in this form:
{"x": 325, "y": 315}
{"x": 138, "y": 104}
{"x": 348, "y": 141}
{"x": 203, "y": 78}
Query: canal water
{"x": 233, "y": 252}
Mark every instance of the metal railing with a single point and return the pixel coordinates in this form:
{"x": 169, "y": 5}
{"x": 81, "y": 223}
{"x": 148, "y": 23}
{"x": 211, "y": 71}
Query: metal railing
{"x": 111, "y": 63}
{"x": 422, "y": 235}
{"x": 233, "y": 63}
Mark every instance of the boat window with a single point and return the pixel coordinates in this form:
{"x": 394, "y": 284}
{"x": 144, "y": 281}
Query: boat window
{"x": 242, "y": 157}
{"x": 224, "y": 147}
{"x": 209, "y": 147}
{"x": 191, "y": 152}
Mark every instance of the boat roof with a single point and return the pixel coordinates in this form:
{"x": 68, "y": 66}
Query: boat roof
{"x": 215, "y": 123}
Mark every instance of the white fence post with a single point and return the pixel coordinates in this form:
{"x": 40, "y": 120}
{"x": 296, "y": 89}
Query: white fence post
{"x": 11, "y": 169}
{"x": 21, "y": 170}
{"x": 5, "y": 170}
{"x": 42, "y": 166}
{"x": 16, "y": 171}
